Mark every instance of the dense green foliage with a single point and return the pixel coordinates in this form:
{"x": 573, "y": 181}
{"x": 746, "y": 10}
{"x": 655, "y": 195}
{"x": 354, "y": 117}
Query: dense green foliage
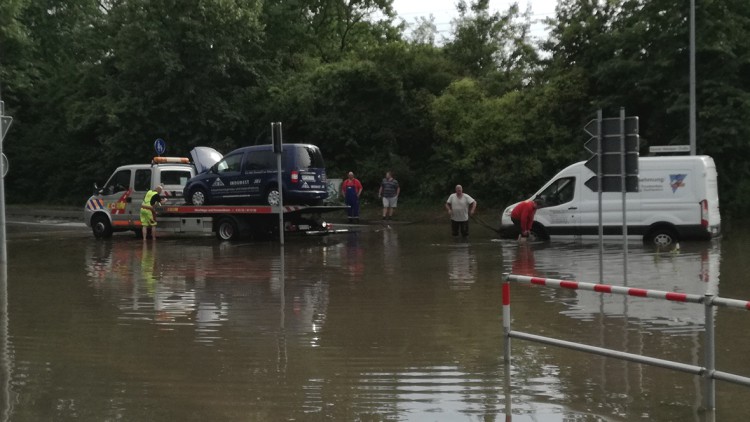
{"x": 91, "y": 84}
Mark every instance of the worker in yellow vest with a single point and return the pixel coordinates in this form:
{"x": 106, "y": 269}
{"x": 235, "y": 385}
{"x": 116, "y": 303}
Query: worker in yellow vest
{"x": 148, "y": 218}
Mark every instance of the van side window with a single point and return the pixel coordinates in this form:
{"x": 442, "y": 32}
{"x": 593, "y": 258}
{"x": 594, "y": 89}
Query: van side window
{"x": 142, "y": 180}
{"x": 119, "y": 182}
{"x": 260, "y": 160}
{"x": 559, "y": 192}
{"x": 231, "y": 163}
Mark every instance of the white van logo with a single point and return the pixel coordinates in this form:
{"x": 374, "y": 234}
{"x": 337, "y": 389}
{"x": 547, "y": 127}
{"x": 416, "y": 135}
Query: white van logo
{"x": 676, "y": 181}
{"x": 218, "y": 183}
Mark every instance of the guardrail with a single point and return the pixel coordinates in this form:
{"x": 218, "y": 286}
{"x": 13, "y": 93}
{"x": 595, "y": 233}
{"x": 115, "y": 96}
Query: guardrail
{"x": 707, "y": 372}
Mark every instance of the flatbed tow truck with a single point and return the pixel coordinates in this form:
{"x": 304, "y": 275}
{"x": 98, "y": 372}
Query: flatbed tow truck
{"x": 229, "y": 222}
{"x": 116, "y": 207}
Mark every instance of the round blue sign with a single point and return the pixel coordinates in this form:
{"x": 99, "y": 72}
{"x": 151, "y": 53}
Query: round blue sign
{"x": 160, "y": 146}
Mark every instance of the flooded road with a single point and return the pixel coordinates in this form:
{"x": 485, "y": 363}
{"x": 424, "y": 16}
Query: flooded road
{"x": 384, "y": 323}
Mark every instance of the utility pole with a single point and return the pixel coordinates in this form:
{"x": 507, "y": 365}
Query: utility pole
{"x": 692, "y": 78}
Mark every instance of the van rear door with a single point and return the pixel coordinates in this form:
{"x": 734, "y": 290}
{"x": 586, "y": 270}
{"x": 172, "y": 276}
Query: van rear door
{"x": 307, "y": 168}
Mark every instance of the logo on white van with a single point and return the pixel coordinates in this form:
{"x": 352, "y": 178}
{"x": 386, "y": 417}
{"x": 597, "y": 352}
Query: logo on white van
{"x": 676, "y": 181}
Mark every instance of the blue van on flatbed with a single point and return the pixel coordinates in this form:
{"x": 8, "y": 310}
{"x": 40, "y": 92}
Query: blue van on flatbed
{"x": 248, "y": 175}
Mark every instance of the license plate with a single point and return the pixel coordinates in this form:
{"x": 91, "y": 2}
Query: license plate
{"x": 308, "y": 177}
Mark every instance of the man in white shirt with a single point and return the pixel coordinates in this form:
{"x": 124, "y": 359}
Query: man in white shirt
{"x": 460, "y": 206}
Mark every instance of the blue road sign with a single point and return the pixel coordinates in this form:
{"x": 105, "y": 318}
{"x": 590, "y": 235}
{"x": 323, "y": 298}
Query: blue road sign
{"x": 160, "y": 146}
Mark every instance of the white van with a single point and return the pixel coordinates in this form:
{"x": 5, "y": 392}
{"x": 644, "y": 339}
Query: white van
{"x": 677, "y": 199}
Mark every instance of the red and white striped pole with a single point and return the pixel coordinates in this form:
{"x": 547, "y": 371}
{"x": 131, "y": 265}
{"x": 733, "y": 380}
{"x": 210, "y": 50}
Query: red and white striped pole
{"x": 506, "y": 320}
{"x": 607, "y": 288}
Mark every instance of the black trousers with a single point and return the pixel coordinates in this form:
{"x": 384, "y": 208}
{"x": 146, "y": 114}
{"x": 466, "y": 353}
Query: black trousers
{"x": 462, "y": 226}
{"x": 517, "y": 223}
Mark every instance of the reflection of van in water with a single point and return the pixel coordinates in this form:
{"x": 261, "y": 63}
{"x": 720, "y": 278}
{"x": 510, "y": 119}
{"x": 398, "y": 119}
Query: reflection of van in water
{"x": 694, "y": 270}
{"x": 677, "y": 199}
{"x": 249, "y": 175}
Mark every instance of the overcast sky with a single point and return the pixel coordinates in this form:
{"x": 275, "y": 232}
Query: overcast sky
{"x": 445, "y": 10}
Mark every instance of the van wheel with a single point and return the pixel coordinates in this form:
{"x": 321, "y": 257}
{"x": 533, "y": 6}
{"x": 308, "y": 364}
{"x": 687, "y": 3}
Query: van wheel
{"x": 197, "y": 197}
{"x": 661, "y": 237}
{"x": 272, "y": 196}
{"x": 226, "y": 229}
{"x": 539, "y": 232}
{"x": 101, "y": 226}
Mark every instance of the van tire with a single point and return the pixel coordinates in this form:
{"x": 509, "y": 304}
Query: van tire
{"x": 272, "y": 196}
{"x": 539, "y": 231}
{"x": 661, "y": 237}
{"x": 227, "y": 229}
{"x": 101, "y": 227}
{"x": 197, "y": 197}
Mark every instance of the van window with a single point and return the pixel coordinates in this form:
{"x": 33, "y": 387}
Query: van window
{"x": 231, "y": 163}
{"x": 559, "y": 192}
{"x": 308, "y": 157}
{"x": 119, "y": 182}
{"x": 260, "y": 160}
{"x": 142, "y": 180}
{"x": 175, "y": 177}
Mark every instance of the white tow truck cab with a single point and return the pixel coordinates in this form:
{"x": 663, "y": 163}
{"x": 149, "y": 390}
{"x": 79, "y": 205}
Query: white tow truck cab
{"x": 677, "y": 199}
{"x": 116, "y": 206}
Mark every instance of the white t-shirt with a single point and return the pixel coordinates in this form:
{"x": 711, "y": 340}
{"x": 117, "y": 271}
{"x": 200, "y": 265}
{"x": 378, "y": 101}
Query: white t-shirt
{"x": 460, "y": 206}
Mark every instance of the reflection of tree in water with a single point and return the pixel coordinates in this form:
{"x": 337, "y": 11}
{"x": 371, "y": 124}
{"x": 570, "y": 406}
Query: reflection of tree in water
{"x": 462, "y": 265}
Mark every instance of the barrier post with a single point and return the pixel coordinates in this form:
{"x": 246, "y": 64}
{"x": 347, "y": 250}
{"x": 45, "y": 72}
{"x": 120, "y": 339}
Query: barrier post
{"x": 710, "y": 363}
{"x": 506, "y": 320}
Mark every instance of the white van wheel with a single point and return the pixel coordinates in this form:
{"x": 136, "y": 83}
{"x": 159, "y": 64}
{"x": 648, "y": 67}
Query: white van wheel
{"x": 272, "y": 196}
{"x": 661, "y": 237}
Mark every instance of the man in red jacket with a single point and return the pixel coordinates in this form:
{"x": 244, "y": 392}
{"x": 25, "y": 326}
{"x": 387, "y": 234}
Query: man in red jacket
{"x": 523, "y": 216}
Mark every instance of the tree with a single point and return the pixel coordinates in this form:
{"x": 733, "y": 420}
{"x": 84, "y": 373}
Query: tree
{"x": 493, "y": 46}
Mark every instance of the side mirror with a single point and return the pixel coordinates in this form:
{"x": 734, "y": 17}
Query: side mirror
{"x": 96, "y": 189}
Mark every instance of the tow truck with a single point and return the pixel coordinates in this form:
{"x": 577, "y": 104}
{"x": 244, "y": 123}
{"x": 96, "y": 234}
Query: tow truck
{"x": 116, "y": 206}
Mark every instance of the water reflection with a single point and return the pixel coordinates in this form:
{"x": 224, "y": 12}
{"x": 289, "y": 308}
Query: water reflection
{"x": 391, "y": 253}
{"x": 462, "y": 266}
{"x": 523, "y": 262}
{"x": 692, "y": 269}
{"x": 203, "y": 286}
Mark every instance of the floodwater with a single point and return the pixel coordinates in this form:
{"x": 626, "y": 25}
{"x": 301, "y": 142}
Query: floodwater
{"x": 399, "y": 323}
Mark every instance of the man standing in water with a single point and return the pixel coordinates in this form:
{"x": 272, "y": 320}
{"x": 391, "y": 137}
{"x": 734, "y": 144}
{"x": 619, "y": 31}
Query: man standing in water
{"x": 148, "y": 218}
{"x": 389, "y": 191}
{"x": 351, "y": 189}
{"x": 460, "y": 206}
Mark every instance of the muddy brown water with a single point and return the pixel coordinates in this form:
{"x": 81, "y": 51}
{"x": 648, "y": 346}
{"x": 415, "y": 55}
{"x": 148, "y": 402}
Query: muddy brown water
{"x": 398, "y": 322}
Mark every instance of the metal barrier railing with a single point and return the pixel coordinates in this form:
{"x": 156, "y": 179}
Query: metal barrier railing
{"x": 707, "y": 372}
